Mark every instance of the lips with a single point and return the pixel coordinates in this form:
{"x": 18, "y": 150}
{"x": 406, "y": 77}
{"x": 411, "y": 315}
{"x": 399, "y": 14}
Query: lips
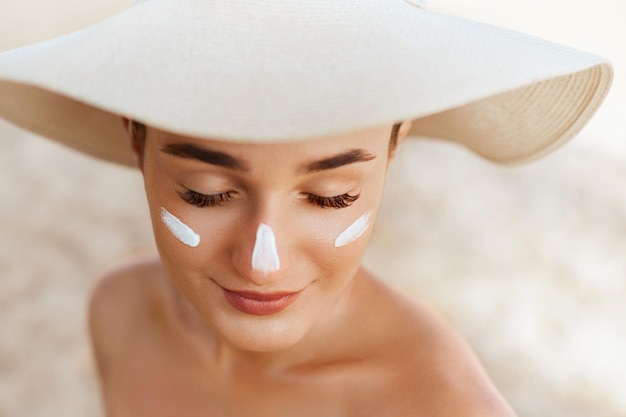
{"x": 260, "y": 304}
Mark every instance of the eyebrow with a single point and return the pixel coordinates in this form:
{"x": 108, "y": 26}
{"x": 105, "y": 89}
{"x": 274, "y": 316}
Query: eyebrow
{"x": 345, "y": 158}
{"x": 222, "y": 159}
{"x": 189, "y": 151}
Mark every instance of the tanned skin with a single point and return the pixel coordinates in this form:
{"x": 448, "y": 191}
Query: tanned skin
{"x": 166, "y": 344}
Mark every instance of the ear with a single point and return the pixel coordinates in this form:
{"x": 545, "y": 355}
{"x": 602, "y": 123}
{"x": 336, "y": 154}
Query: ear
{"x": 405, "y": 127}
{"x": 136, "y": 140}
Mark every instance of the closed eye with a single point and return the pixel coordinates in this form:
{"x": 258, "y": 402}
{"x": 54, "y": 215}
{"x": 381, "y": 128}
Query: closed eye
{"x": 339, "y": 201}
{"x": 205, "y": 200}
{"x": 213, "y": 200}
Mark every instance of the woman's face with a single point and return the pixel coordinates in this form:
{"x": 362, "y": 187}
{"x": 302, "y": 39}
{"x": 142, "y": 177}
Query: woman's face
{"x": 264, "y": 240}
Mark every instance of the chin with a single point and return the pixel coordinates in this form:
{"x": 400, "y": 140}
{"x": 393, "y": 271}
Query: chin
{"x": 263, "y": 334}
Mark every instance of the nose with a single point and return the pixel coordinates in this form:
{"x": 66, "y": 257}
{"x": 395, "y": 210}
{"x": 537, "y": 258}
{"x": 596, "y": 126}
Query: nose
{"x": 260, "y": 257}
{"x": 265, "y": 257}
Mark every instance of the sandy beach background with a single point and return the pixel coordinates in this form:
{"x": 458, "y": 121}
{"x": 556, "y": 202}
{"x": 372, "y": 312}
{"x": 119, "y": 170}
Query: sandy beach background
{"x": 529, "y": 263}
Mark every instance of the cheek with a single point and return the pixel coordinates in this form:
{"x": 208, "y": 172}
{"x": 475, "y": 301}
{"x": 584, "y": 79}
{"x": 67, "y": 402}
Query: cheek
{"x": 337, "y": 246}
{"x": 186, "y": 238}
{"x": 179, "y": 229}
{"x": 353, "y": 232}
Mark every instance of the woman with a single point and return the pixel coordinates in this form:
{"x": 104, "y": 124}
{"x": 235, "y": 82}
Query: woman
{"x": 238, "y": 323}
{"x": 264, "y": 152}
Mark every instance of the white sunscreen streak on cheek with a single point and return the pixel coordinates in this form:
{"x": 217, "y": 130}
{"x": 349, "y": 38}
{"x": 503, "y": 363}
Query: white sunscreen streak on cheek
{"x": 353, "y": 232}
{"x": 180, "y": 229}
{"x": 264, "y": 255}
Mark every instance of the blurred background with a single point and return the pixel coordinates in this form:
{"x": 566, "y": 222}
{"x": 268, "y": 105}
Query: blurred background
{"x": 528, "y": 263}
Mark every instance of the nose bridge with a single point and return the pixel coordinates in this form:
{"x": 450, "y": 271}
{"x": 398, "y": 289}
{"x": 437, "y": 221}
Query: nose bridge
{"x": 265, "y": 257}
{"x": 262, "y": 255}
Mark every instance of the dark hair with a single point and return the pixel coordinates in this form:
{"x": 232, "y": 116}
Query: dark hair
{"x": 393, "y": 140}
{"x": 138, "y": 136}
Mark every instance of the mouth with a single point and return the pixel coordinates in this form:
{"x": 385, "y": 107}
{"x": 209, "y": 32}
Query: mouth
{"x": 260, "y": 304}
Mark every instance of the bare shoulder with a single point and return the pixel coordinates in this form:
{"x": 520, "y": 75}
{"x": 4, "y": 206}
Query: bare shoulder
{"x": 121, "y": 302}
{"x": 438, "y": 371}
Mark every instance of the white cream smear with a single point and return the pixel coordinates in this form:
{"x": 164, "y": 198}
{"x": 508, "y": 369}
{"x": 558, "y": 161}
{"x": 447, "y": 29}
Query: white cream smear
{"x": 179, "y": 229}
{"x": 354, "y": 231}
{"x": 265, "y": 255}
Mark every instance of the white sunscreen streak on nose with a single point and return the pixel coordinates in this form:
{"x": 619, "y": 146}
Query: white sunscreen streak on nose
{"x": 180, "y": 229}
{"x": 264, "y": 255}
{"x": 354, "y": 231}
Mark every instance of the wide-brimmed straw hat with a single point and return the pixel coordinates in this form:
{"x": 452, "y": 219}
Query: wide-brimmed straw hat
{"x": 276, "y": 70}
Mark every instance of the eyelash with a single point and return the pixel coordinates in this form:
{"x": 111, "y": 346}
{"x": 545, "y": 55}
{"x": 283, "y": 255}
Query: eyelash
{"x": 338, "y": 201}
{"x": 205, "y": 200}
{"x": 213, "y": 200}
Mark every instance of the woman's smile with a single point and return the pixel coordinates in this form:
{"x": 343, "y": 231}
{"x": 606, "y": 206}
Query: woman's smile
{"x": 260, "y": 304}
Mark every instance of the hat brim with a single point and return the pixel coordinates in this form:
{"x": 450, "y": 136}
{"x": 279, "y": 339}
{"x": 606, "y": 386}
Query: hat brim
{"x": 277, "y": 71}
